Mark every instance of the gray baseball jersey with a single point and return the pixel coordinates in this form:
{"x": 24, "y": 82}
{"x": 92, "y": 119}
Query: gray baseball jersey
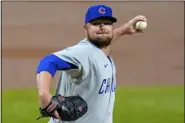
{"x": 94, "y": 81}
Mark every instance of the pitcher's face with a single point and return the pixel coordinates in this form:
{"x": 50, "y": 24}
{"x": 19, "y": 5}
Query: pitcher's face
{"x": 100, "y": 32}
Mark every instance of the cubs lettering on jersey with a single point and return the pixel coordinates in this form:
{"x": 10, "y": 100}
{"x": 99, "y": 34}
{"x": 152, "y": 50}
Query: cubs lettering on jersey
{"x": 107, "y": 86}
{"x": 94, "y": 81}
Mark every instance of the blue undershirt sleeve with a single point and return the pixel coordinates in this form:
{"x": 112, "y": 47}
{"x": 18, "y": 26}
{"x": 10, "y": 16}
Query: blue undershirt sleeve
{"x": 52, "y": 63}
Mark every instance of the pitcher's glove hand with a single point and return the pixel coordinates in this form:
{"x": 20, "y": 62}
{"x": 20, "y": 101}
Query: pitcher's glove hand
{"x": 69, "y": 108}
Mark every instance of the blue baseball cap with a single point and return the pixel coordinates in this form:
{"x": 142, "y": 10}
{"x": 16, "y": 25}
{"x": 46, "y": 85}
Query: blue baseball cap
{"x": 99, "y": 11}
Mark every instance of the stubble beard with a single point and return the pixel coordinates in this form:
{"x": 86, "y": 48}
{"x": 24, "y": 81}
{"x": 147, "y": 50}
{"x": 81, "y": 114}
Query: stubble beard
{"x": 100, "y": 42}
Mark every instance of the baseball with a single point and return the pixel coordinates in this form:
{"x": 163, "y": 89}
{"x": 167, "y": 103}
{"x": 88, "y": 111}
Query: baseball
{"x": 141, "y": 25}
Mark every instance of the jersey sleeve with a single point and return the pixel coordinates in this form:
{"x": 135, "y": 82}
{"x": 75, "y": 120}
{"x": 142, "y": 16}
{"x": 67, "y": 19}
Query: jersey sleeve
{"x": 78, "y": 57}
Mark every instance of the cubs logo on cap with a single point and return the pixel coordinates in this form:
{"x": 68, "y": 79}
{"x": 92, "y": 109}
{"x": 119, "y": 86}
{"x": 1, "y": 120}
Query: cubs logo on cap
{"x": 99, "y": 11}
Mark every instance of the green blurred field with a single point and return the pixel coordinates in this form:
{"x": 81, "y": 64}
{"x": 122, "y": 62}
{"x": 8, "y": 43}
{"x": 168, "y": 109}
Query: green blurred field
{"x": 159, "y": 104}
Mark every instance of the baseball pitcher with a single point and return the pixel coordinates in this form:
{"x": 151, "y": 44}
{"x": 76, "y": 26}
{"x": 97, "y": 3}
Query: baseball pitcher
{"x": 86, "y": 88}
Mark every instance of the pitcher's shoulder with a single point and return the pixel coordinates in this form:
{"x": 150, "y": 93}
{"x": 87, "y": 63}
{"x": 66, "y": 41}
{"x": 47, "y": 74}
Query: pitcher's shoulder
{"x": 83, "y": 47}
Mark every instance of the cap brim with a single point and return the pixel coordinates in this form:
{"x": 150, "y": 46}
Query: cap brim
{"x": 113, "y": 19}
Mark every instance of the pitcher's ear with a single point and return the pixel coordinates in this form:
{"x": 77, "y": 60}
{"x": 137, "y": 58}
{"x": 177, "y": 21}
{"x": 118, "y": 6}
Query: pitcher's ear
{"x": 85, "y": 26}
